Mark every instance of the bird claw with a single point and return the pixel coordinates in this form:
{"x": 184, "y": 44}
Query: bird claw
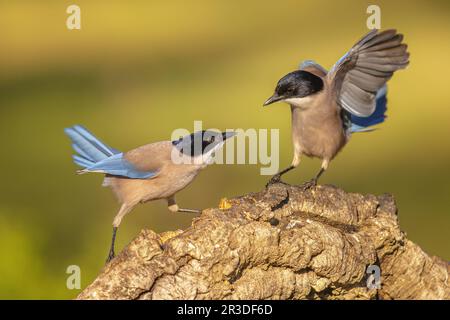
{"x": 111, "y": 256}
{"x": 308, "y": 184}
{"x": 275, "y": 179}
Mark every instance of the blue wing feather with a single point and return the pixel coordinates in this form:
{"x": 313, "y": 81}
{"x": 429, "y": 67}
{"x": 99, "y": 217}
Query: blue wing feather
{"x": 95, "y": 156}
{"x": 364, "y": 124}
{"x": 311, "y": 63}
{"x": 107, "y": 150}
{"x": 89, "y": 149}
{"x": 82, "y": 161}
{"x": 117, "y": 165}
{"x": 80, "y": 151}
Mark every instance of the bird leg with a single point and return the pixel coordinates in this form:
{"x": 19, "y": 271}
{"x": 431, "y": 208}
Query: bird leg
{"x": 173, "y": 207}
{"x": 295, "y": 162}
{"x": 124, "y": 209}
{"x": 313, "y": 182}
{"x": 111, "y": 249}
{"x": 189, "y": 210}
{"x": 277, "y": 177}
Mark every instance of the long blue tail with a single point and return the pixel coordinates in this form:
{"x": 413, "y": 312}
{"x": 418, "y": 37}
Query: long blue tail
{"x": 90, "y": 150}
{"x": 365, "y": 124}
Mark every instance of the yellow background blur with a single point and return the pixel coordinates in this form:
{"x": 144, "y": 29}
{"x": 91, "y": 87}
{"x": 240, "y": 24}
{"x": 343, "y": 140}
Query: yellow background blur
{"x": 139, "y": 69}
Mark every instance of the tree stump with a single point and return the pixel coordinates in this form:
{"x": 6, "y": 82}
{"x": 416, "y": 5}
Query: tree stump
{"x": 281, "y": 243}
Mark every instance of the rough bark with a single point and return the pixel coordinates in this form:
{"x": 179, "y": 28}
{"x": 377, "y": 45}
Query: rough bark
{"x": 281, "y": 243}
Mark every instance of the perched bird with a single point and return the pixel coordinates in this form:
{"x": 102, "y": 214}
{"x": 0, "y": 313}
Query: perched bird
{"x": 153, "y": 171}
{"x": 327, "y": 107}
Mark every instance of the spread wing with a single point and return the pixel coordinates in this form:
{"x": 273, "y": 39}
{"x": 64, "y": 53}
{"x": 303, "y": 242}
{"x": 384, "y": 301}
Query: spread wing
{"x": 365, "y": 69}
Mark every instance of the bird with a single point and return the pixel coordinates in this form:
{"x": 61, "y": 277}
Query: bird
{"x": 327, "y": 107}
{"x": 153, "y": 171}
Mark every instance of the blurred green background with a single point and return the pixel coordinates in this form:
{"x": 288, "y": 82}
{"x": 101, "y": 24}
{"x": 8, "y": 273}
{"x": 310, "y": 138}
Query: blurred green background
{"x": 139, "y": 69}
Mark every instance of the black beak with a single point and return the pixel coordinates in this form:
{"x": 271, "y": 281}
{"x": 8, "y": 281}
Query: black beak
{"x": 228, "y": 134}
{"x": 273, "y": 99}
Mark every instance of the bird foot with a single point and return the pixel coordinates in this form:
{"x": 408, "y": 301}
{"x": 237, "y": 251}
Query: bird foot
{"x": 275, "y": 179}
{"x": 111, "y": 256}
{"x": 309, "y": 184}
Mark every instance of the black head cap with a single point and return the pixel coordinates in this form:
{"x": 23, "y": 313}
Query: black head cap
{"x": 201, "y": 142}
{"x": 297, "y": 84}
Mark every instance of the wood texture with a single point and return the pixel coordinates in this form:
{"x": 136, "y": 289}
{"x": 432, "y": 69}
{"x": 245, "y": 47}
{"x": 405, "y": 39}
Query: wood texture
{"x": 281, "y": 243}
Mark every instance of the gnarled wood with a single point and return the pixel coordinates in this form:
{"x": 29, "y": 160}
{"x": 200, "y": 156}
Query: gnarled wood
{"x": 280, "y": 243}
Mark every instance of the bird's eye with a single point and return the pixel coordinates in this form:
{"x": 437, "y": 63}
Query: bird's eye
{"x": 211, "y": 139}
